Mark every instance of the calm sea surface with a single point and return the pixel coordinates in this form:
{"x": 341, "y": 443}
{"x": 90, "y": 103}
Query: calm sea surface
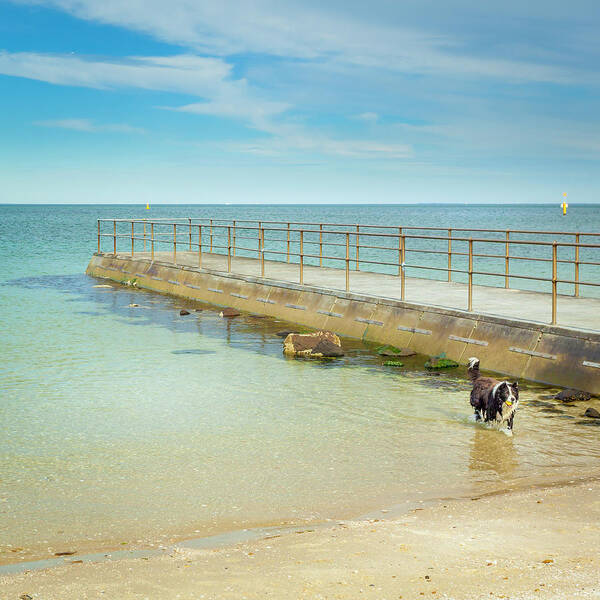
{"x": 124, "y": 427}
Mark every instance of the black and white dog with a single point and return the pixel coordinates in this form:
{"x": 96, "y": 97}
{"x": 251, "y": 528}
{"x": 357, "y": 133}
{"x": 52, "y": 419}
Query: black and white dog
{"x": 493, "y": 400}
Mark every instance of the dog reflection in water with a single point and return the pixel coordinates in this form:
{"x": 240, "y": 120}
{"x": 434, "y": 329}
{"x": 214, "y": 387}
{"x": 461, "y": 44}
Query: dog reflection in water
{"x": 494, "y": 401}
{"x": 492, "y": 456}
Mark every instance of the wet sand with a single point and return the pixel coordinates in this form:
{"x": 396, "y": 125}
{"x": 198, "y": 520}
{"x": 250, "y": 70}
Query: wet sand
{"x": 539, "y": 543}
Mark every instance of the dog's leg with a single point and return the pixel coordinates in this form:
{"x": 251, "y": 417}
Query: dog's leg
{"x": 509, "y": 423}
{"x": 477, "y": 416}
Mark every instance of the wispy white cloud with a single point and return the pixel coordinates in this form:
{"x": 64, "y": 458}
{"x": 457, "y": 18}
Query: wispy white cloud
{"x": 301, "y": 30}
{"x": 204, "y": 77}
{"x": 370, "y": 117}
{"x": 286, "y": 138}
{"x": 186, "y": 74}
{"x": 88, "y": 126}
{"x": 255, "y": 111}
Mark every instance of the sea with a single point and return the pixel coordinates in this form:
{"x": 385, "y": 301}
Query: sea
{"x": 128, "y": 428}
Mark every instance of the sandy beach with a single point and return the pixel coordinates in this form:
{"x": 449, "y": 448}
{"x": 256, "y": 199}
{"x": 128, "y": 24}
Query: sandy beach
{"x": 539, "y": 543}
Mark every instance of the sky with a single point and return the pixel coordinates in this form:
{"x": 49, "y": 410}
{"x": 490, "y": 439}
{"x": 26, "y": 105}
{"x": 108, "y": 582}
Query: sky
{"x": 390, "y": 101}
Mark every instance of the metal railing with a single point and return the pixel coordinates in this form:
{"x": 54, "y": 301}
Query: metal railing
{"x": 374, "y": 248}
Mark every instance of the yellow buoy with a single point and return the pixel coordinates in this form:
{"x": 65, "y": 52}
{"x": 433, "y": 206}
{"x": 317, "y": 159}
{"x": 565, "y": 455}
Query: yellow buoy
{"x": 147, "y": 207}
{"x": 564, "y": 204}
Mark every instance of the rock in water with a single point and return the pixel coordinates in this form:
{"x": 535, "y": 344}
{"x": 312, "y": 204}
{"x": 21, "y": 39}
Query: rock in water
{"x": 571, "y": 395}
{"x": 321, "y": 344}
{"x": 183, "y": 312}
{"x": 230, "y": 312}
{"x": 440, "y": 362}
{"x": 592, "y": 413}
{"x": 284, "y": 333}
{"x": 393, "y": 351}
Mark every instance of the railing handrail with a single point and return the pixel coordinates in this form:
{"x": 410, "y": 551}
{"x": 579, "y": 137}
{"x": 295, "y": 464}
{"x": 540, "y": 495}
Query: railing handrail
{"x": 386, "y": 235}
{"x": 215, "y": 223}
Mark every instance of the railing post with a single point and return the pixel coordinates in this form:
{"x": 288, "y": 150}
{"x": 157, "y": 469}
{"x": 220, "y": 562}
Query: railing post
{"x": 190, "y": 224}
{"x": 229, "y": 249}
{"x": 347, "y": 261}
{"x": 234, "y": 238}
{"x": 144, "y": 235}
{"x": 320, "y": 244}
{"x": 199, "y": 245}
{"x": 288, "y": 242}
{"x": 470, "y": 307}
{"x": 175, "y": 243}
{"x": 554, "y": 277}
{"x": 400, "y": 258}
{"x": 152, "y": 241}
{"x": 357, "y": 246}
{"x": 301, "y": 257}
{"x": 115, "y": 238}
{"x": 261, "y": 243}
{"x": 402, "y": 248}
{"x": 211, "y": 236}
{"x": 576, "y": 265}
{"x": 131, "y": 239}
{"x": 259, "y": 239}
{"x": 98, "y": 236}
{"x": 449, "y": 254}
{"x": 507, "y": 260}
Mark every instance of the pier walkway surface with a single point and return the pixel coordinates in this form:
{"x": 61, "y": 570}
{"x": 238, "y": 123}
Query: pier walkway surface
{"x": 534, "y": 307}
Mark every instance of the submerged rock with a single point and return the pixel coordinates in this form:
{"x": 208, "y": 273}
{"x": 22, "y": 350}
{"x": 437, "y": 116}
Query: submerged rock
{"x": 592, "y": 413}
{"x": 589, "y": 423}
{"x": 230, "y": 312}
{"x": 440, "y": 362}
{"x": 321, "y": 344}
{"x": 393, "y": 351}
{"x": 571, "y": 395}
{"x": 284, "y": 333}
{"x": 183, "y": 312}
{"x": 393, "y": 363}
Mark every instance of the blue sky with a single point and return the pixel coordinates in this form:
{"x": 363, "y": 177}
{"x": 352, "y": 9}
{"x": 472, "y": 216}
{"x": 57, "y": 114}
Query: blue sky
{"x": 273, "y": 101}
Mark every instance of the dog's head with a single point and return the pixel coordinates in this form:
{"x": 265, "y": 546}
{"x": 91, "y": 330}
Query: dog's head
{"x": 508, "y": 393}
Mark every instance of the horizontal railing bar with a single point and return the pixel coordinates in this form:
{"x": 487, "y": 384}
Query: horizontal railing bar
{"x": 411, "y": 227}
{"x": 454, "y": 239}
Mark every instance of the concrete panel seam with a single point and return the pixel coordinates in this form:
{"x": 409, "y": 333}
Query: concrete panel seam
{"x": 369, "y": 321}
{"x": 589, "y": 363}
{"x": 172, "y": 281}
{"x": 457, "y": 338}
{"x": 414, "y": 330}
{"x": 141, "y": 274}
{"x": 265, "y": 301}
{"x": 533, "y": 353}
{"x": 296, "y": 306}
{"x": 156, "y": 278}
{"x": 238, "y": 295}
{"x": 214, "y": 290}
{"x": 330, "y": 314}
{"x": 194, "y": 287}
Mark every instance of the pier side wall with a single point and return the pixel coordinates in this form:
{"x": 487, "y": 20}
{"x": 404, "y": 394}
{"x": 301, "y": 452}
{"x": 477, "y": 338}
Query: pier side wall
{"x": 519, "y": 349}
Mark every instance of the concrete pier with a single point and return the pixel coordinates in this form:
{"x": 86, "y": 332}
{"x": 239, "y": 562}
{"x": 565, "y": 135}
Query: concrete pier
{"x": 507, "y": 328}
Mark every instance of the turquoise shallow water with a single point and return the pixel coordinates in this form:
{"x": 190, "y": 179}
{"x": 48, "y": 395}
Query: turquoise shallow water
{"x": 135, "y": 425}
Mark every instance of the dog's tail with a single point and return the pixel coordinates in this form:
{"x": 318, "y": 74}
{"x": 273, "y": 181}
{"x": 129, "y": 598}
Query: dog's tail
{"x": 473, "y": 368}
